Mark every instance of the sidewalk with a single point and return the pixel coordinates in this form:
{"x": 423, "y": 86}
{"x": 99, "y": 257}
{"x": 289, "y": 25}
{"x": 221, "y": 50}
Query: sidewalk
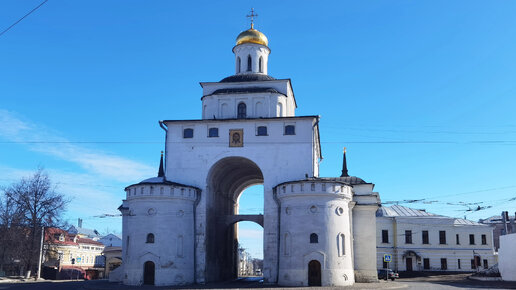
{"x": 22, "y": 279}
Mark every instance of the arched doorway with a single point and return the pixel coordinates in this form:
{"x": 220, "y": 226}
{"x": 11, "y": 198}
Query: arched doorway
{"x": 148, "y": 273}
{"x": 314, "y": 273}
{"x": 227, "y": 179}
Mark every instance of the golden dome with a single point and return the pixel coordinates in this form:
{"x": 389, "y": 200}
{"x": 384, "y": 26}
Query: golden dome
{"x": 252, "y": 36}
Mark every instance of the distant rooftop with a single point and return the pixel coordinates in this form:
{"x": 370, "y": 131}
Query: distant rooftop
{"x": 403, "y": 211}
{"x": 83, "y": 231}
{"x": 496, "y": 219}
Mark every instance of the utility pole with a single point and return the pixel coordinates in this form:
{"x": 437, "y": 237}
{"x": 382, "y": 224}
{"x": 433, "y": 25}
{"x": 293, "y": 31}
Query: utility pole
{"x": 40, "y": 253}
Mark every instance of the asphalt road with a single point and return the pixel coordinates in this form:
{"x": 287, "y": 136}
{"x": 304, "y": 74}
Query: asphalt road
{"x": 433, "y": 282}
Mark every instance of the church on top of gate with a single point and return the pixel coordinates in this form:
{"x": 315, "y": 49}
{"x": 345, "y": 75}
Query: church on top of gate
{"x": 180, "y": 227}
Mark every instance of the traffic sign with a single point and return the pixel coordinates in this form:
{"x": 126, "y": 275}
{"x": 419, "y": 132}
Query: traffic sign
{"x": 387, "y": 258}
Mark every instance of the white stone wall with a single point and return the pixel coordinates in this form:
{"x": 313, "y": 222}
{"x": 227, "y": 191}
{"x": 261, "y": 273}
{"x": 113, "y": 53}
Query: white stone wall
{"x": 167, "y": 212}
{"x": 364, "y": 234}
{"x": 224, "y": 106}
{"x": 507, "y": 257}
{"x": 280, "y": 158}
{"x": 434, "y": 251}
{"x": 254, "y": 50}
{"x": 320, "y": 208}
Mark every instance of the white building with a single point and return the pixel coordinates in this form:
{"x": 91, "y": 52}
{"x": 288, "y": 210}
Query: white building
{"x": 180, "y": 227}
{"x": 422, "y": 241}
{"x": 111, "y": 240}
{"x": 245, "y": 264}
{"x": 507, "y": 257}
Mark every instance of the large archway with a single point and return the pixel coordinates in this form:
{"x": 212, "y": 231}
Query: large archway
{"x": 227, "y": 179}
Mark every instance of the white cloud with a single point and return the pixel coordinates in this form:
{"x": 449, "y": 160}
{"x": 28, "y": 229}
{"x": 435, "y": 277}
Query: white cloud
{"x": 94, "y": 191}
{"x": 15, "y": 129}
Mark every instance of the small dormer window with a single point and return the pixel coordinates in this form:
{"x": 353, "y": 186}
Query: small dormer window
{"x": 242, "y": 111}
{"x": 249, "y": 63}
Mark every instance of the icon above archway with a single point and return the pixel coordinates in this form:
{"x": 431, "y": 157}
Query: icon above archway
{"x": 236, "y": 138}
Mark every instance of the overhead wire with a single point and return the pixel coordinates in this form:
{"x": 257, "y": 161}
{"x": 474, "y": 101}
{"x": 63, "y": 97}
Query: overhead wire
{"x": 24, "y": 16}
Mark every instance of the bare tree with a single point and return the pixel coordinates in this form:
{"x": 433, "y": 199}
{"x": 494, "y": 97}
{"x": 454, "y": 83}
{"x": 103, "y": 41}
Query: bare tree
{"x": 36, "y": 204}
{"x": 10, "y": 232}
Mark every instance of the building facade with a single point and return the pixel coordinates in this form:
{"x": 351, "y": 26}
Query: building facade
{"x": 63, "y": 250}
{"x": 421, "y": 241}
{"x": 507, "y": 257}
{"x": 501, "y": 227}
{"x": 180, "y": 227}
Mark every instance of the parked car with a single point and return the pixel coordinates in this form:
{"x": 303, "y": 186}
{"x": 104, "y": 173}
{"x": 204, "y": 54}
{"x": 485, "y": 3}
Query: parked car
{"x": 387, "y": 274}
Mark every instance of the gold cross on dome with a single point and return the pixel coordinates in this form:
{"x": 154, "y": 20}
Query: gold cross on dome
{"x": 252, "y": 16}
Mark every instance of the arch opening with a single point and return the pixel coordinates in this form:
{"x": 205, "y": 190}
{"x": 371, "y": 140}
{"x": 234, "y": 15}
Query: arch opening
{"x": 227, "y": 180}
{"x": 250, "y": 249}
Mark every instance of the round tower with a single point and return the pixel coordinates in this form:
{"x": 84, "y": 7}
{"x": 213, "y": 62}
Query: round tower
{"x": 251, "y": 52}
{"x": 158, "y": 232}
{"x": 315, "y": 233}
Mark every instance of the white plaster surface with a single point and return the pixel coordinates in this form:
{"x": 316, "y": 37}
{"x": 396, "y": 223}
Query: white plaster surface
{"x": 507, "y": 257}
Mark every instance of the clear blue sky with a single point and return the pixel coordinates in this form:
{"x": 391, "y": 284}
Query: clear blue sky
{"x": 421, "y": 92}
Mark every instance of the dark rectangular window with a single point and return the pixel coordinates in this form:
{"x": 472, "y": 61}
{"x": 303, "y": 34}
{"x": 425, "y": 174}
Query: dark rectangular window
{"x": 425, "y": 237}
{"x": 261, "y": 131}
{"x": 188, "y": 133}
{"x": 471, "y": 239}
{"x": 426, "y": 264}
{"x": 290, "y": 130}
{"x": 442, "y": 237}
{"x": 485, "y": 264}
{"x": 444, "y": 264}
{"x": 385, "y": 236}
{"x": 457, "y": 239}
{"x": 408, "y": 237}
{"x": 458, "y": 263}
{"x": 213, "y": 132}
{"x": 484, "y": 240}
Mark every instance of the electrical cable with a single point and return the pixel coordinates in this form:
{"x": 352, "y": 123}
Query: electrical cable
{"x": 19, "y": 20}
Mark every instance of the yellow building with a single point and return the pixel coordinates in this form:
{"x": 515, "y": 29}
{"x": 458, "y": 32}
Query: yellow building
{"x": 63, "y": 251}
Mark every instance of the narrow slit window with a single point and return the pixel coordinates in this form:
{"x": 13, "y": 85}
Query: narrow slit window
{"x": 239, "y": 63}
{"x": 260, "y": 64}
{"x": 341, "y": 244}
{"x": 249, "y": 63}
{"x": 242, "y": 111}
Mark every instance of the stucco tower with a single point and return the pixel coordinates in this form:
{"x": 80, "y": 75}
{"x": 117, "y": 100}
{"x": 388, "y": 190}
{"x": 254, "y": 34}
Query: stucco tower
{"x": 158, "y": 212}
